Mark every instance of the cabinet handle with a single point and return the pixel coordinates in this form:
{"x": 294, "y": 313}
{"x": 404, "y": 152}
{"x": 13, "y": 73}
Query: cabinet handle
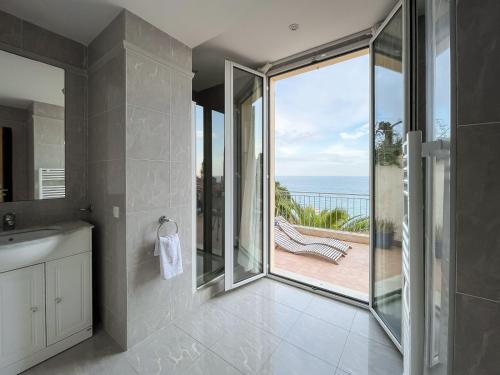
{"x": 34, "y": 309}
{"x": 58, "y": 300}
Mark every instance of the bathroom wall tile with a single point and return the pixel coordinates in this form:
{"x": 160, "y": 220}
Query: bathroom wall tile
{"x": 75, "y": 92}
{"x": 148, "y": 83}
{"x": 146, "y": 36}
{"x": 477, "y": 336}
{"x": 478, "y": 53}
{"x": 183, "y": 216}
{"x": 147, "y": 184}
{"x": 107, "y": 39}
{"x": 180, "y": 138}
{"x": 48, "y": 44}
{"x": 13, "y": 114}
{"x": 76, "y": 140}
{"x": 76, "y": 184}
{"x": 107, "y": 184}
{"x": 148, "y": 134}
{"x": 107, "y": 85}
{"x": 141, "y": 235}
{"x": 10, "y": 29}
{"x": 181, "y": 95}
{"x": 181, "y": 55}
{"x": 180, "y": 184}
{"x": 116, "y": 327}
{"x": 114, "y": 291}
{"x": 478, "y": 184}
{"x": 150, "y": 322}
{"x": 182, "y": 298}
{"x": 146, "y": 289}
{"x": 107, "y": 135}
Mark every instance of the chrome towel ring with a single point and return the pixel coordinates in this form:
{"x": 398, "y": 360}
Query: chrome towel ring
{"x": 162, "y": 220}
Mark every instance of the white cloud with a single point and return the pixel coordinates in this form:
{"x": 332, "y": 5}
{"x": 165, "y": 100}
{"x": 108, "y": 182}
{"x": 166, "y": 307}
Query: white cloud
{"x": 356, "y": 134}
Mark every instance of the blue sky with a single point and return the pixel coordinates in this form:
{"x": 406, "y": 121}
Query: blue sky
{"x": 322, "y": 121}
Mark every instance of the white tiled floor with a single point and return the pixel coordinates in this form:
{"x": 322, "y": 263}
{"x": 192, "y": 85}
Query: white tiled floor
{"x": 264, "y": 328}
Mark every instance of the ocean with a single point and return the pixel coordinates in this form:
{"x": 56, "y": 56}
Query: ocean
{"x": 326, "y": 184}
{"x": 301, "y": 188}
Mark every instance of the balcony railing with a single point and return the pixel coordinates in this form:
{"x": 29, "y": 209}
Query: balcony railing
{"x": 348, "y": 212}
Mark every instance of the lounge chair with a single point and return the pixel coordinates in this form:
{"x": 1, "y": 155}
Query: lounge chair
{"x": 324, "y": 251}
{"x": 295, "y": 235}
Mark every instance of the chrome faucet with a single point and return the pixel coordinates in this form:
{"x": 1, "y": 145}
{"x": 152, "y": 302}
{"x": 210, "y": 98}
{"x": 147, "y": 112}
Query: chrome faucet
{"x": 9, "y": 221}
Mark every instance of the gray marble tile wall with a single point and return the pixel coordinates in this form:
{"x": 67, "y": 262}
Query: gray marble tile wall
{"x": 140, "y": 161}
{"x": 107, "y": 189}
{"x": 477, "y": 331}
{"x": 158, "y": 164}
{"x": 25, "y": 39}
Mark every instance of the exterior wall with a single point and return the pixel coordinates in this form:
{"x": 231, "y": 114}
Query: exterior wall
{"x": 25, "y": 39}
{"x": 477, "y": 331}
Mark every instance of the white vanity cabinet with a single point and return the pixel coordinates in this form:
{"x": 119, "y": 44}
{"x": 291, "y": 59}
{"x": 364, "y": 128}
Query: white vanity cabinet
{"x": 46, "y": 307}
{"x": 22, "y": 313}
{"x": 69, "y": 296}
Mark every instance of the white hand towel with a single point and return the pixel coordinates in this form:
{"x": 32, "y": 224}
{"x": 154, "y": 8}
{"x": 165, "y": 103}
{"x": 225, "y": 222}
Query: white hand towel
{"x": 169, "y": 250}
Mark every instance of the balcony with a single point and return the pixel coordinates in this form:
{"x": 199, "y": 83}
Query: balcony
{"x": 326, "y": 215}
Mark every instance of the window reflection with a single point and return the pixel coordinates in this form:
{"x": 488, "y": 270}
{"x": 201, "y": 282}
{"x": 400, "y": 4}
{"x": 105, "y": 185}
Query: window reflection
{"x": 388, "y": 173}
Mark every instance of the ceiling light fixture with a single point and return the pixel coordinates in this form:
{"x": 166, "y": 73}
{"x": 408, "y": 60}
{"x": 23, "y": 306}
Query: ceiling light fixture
{"x": 293, "y": 26}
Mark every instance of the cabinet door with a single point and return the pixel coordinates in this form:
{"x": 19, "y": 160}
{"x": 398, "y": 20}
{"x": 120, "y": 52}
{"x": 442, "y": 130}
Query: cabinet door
{"x": 22, "y": 313}
{"x": 69, "y": 302}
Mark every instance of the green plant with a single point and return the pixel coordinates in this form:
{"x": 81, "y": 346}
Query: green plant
{"x": 285, "y": 205}
{"x": 357, "y": 224}
{"x": 384, "y": 226}
{"x": 333, "y": 219}
{"x": 388, "y": 144}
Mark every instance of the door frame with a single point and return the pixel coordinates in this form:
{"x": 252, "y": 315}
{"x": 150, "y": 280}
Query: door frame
{"x": 405, "y": 8}
{"x": 229, "y": 177}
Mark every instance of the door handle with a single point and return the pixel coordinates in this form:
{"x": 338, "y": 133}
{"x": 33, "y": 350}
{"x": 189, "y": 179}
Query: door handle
{"x": 34, "y": 309}
{"x": 58, "y": 300}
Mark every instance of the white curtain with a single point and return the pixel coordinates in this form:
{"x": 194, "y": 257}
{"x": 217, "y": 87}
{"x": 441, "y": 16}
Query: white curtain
{"x": 249, "y": 254}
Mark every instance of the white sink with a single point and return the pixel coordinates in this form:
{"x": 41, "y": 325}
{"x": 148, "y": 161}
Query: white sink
{"x": 20, "y": 248}
{"x": 12, "y": 237}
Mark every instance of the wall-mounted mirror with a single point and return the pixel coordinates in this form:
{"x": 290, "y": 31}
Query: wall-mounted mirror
{"x": 32, "y": 151}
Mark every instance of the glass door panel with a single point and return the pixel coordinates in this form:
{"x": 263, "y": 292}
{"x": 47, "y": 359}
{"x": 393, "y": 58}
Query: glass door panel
{"x": 388, "y": 132}
{"x": 437, "y": 205}
{"x": 245, "y": 169}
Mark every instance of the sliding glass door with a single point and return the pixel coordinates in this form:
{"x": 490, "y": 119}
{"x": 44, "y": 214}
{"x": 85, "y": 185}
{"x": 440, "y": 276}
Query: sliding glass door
{"x": 388, "y": 129}
{"x": 246, "y": 192}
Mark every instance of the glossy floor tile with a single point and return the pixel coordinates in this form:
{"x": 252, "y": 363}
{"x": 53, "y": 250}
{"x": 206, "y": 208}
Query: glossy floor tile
{"x": 363, "y": 356}
{"x": 98, "y": 355}
{"x": 265, "y": 328}
{"x": 319, "y": 338}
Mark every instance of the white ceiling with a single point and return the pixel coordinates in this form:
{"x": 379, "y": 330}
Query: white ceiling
{"x": 23, "y": 81}
{"x": 250, "y": 31}
{"x": 190, "y": 21}
{"x": 263, "y": 35}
